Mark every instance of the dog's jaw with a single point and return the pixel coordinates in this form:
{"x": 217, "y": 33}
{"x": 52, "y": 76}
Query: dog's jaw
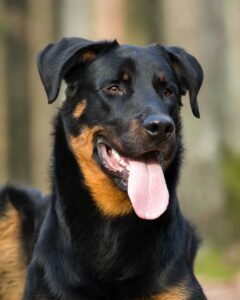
{"x": 108, "y": 197}
{"x": 142, "y": 178}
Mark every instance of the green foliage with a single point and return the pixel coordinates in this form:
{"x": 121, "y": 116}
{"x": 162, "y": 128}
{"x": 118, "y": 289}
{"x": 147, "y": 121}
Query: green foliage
{"x": 231, "y": 179}
{"x": 217, "y": 263}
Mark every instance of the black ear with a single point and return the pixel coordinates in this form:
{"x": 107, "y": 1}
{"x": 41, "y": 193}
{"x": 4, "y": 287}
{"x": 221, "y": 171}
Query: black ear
{"x": 56, "y": 59}
{"x": 189, "y": 74}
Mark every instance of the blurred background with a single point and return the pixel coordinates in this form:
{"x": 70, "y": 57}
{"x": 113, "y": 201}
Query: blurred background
{"x": 210, "y": 30}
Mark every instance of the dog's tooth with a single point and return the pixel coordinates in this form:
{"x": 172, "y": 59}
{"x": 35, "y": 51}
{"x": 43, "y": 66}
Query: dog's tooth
{"x": 116, "y": 155}
{"x": 122, "y": 162}
{"x": 114, "y": 152}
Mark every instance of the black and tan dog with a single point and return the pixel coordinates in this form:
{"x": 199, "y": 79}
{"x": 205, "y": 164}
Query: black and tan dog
{"x": 112, "y": 227}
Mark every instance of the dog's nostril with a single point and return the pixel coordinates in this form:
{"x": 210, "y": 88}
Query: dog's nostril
{"x": 160, "y": 125}
{"x": 153, "y": 127}
{"x": 169, "y": 129}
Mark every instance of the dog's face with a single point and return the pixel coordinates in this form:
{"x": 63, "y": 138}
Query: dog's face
{"x": 121, "y": 116}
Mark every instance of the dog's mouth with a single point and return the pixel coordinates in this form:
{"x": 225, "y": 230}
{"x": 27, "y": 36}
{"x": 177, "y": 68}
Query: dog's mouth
{"x": 142, "y": 178}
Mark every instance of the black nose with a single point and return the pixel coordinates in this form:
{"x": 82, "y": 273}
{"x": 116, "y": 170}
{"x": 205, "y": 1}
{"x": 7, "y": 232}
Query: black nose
{"x": 159, "y": 125}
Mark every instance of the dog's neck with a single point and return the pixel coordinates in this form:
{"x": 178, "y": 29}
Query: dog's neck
{"x": 69, "y": 181}
{"x": 84, "y": 224}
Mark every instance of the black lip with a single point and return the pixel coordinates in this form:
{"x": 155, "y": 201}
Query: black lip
{"x": 120, "y": 178}
{"x": 102, "y": 140}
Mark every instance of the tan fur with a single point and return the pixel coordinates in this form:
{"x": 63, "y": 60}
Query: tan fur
{"x": 107, "y": 196}
{"x": 162, "y": 77}
{"x": 180, "y": 292}
{"x": 79, "y": 109}
{"x": 12, "y": 265}
{"x": 137, "y": 130}
{"x": 125, "y": 77}
{"x": 88, "y": 56}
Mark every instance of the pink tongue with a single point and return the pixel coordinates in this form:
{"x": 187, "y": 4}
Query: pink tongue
{"x": 147, "y": 188}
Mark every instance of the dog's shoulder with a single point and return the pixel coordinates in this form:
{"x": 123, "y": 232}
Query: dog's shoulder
{"x": 21, "y": 211}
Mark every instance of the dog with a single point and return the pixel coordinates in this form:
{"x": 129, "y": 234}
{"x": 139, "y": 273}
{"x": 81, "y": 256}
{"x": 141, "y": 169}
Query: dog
{"x": 112, "y": 227}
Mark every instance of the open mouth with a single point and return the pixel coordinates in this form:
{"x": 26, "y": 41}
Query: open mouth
{"x": 118, "y": 165}
{"x": 142, "y": 178}
{"x": 114, "y": 163}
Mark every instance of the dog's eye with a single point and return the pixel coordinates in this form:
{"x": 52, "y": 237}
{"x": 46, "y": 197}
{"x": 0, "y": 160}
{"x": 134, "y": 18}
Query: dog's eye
{"x": 113, "y": 90}
{"x": 168, "y": 93}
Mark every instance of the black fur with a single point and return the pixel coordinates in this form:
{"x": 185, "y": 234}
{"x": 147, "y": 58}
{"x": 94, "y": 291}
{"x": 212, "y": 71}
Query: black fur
{"x": 81, "y": 252}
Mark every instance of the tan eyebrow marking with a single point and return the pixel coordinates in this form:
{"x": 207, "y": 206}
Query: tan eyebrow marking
{"x": 88, "y": 56}
{"x": 125, "y": 77}
{"x": 162, "y": 77}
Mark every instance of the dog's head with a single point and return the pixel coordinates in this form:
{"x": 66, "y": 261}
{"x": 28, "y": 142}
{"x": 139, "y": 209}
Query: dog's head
{"x": 121, "y": 116}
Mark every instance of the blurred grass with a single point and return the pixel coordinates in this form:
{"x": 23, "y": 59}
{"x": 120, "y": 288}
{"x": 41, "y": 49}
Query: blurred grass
{"x": 218, "y": 264}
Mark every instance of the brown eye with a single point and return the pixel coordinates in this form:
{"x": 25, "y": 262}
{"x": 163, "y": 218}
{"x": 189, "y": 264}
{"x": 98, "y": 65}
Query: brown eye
{"x": 114, "y": 90}
{"x": 168, "y": 93}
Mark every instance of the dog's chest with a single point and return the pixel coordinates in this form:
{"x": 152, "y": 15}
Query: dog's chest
{"x": 118, "y": 255}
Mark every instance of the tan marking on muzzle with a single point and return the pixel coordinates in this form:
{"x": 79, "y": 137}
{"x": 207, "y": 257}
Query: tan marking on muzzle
{"x": 107, "y": 195}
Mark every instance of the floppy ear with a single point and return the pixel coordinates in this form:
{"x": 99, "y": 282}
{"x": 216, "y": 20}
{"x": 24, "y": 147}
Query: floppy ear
{"x": 189, "y": 74}
{"x": 56, "y": 59}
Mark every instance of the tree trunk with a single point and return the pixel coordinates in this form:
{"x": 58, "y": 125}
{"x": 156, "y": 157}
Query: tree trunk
{"x": 42, "y": 27}
{"x": 17, "y": 110}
